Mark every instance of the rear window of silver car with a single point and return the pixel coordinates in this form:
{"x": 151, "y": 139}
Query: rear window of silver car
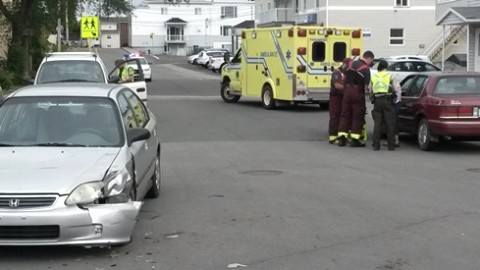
{"x": 70, "y": 71}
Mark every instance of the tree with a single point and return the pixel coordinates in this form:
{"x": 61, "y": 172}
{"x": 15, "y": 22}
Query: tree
{"x": 29, "y": 23}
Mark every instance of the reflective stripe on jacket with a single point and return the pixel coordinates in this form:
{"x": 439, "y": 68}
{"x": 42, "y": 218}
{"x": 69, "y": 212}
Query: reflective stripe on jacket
{"x": 381, "y": 82}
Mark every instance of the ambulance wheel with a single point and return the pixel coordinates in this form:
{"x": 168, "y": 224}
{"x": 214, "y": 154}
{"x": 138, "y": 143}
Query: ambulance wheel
{"x": 324, "y": 105}
{"x": 267, "y": 98}
{"x": 225, "y": 92}
{"x": 424, "y": 136}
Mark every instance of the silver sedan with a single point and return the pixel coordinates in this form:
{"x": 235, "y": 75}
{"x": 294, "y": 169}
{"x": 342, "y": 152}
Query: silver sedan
{"x": 76, "y": 161}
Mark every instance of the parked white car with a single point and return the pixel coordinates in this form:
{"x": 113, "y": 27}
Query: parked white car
{"x": 85, "y": 67}
{"x": 204, "y": 57}
{"x": 192, "y": 59}
{"x": 402, "y": 68}
{"x": 410, "y": 57}
{"x": 216, "y": 63}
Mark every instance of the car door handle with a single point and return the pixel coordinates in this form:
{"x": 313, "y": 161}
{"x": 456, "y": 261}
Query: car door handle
{"x": 141, "y": 89}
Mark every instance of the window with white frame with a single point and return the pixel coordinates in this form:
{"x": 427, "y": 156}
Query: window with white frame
{"x": 226, "y": 30}
{"x": 317, "y": 3}
{"x": 229, "y": 12}
{"x": 401, "y": 3}
{"x": 397, "y": 36}
{"x": 163, "y": 11}
{"x": 198, "y": 11}
{"x": 304, "y": 4}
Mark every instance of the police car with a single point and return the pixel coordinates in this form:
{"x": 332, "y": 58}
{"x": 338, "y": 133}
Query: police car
{"x": 147, "y": 70}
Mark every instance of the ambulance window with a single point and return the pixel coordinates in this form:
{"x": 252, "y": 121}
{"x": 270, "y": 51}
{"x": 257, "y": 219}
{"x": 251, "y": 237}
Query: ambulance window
{"x": 318, "y": 51}
{"x": 238, "y": 57}
{"x": 339, "y": 51}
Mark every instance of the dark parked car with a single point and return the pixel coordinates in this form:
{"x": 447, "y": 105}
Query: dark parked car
{"x": 439, "y": 106}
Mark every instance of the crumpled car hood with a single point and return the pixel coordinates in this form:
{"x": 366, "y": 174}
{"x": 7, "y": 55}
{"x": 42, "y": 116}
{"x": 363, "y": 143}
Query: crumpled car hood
{"x": 52, "y": 169}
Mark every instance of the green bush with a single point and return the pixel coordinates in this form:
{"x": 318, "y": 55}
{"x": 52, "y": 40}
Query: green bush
{"x": 6, "y": 79}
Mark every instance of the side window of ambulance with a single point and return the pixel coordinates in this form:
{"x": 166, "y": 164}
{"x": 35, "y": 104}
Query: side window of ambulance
{"x": 339, "y": 51}
{"x": 238, "y": 57}
{"x": 318, "y": 51}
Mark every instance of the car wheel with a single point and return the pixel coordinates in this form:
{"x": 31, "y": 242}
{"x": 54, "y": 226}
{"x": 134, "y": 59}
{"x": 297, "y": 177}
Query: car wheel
{"x": 206, "y": 65}
{"x": 225, "y": 92}
{"x": 194, "y": 61}
{"x": 267, "y": 98}
{"x": 154, "y": 191}
{"x": 424, "y": 137}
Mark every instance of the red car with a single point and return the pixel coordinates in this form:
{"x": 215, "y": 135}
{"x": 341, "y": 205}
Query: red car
{"x": 440, "y": 106}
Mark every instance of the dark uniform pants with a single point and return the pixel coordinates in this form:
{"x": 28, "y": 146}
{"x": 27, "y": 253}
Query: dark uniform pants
{"x": 384, "y": 113}
{"x": 353, "y": 112}
{"x": 335, "y": 110}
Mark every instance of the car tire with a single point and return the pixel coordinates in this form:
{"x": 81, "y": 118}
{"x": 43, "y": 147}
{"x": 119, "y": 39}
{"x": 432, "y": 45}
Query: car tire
{"x": 268, "y": 101}
{"x": 148, "y": 80}
{"x": 424, "y": 137}
{"x": 206, "y": 64}
{"x": 194, "y": 62}
{"x": 154, "y": 191}
{"x": 225, "y": 93}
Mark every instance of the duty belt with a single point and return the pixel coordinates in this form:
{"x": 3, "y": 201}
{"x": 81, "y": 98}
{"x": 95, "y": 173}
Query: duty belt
{"x": 382, "y": 95}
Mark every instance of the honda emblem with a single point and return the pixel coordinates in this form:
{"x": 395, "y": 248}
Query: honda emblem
{"x": 14, "y": 203}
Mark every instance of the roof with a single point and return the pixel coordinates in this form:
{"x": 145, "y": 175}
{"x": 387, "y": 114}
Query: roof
{"x": 460, "y": 15}
{"x": 176, "y": 20}
{"x": 245, "y": 24}
{"x": 67, "y": 89}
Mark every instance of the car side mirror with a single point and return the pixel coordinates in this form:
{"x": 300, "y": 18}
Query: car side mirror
{"x": 137, "y": 134}
{"x": 113, "y": 79}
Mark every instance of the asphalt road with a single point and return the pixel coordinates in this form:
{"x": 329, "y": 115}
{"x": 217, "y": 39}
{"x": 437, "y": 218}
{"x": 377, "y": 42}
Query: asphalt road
{"x": 258, "y": 189}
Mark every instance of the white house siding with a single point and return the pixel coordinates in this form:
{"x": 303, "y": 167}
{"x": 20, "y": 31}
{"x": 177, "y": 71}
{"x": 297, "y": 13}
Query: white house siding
{"x": 202, "y": 30}
{"x": 110, "y": 40}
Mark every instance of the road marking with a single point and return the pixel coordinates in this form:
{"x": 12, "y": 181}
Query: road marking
{"x": 184, "y": 73}
{"x": 184, "y": 97}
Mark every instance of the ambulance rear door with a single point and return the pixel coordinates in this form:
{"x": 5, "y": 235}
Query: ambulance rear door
{"x": 327, "y": 51}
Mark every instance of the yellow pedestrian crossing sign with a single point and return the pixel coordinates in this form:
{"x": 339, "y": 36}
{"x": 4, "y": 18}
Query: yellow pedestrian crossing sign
{"x": 90, "y": 27}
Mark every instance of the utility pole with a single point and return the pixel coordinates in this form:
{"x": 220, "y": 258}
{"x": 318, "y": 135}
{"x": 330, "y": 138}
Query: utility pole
{"x": 66, "y": 22}
{"x": 59, "y": 35}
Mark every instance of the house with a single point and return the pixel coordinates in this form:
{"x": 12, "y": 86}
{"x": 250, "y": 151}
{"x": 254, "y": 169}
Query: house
{"x": 184, "y": 27}
{"x": 114, "y": 32}
{"x": 461, "y": 16}
{"x": 390, "y": 27}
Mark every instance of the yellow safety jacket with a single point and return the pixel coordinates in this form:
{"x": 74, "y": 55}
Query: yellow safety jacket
{"x": 381, "y": 83}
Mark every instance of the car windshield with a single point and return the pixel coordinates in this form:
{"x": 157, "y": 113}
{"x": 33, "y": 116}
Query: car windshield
{"x": 60, "y": 121}
{"x": 458, "y": 85}
{"x": 70, "y": 71}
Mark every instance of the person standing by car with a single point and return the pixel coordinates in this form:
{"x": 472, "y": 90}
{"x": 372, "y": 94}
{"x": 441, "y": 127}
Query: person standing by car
{"x": 383, "y": 113}
{"x": 125, "y": 72}
{"x": 337, "y": 84}
{"x": 357, "y": 82}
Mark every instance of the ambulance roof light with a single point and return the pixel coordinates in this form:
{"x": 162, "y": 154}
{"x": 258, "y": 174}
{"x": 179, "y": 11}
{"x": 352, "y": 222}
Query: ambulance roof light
{"x": 357, "y": 34}
{"x": 302, "y": 32}
{"x": 355, "y": 52}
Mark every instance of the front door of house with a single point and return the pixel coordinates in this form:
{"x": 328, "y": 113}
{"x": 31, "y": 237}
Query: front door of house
{"x": 476, "y": 55}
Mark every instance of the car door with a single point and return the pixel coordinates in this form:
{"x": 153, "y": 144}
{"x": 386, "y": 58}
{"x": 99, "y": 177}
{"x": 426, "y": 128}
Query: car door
{"x": 412, "y": 87}
{"x": 135, "y": 115}
{"x": 139, "y": 86}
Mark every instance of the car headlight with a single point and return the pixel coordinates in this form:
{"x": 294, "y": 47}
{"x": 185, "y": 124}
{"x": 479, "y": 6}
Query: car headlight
{"x": 85, "y": 193}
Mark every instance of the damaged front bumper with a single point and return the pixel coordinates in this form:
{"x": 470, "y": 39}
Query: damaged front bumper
{"x": 59, "y": 224}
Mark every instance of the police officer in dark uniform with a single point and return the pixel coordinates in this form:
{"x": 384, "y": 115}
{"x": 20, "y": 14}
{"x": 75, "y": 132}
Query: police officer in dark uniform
{"x": 383, "y": 113}
{"x": 337, "y": 84}
{"x": 352, "y": 120}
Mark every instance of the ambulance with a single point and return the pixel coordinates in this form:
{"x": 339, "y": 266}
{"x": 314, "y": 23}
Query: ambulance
{"x": 288, "y": 64}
